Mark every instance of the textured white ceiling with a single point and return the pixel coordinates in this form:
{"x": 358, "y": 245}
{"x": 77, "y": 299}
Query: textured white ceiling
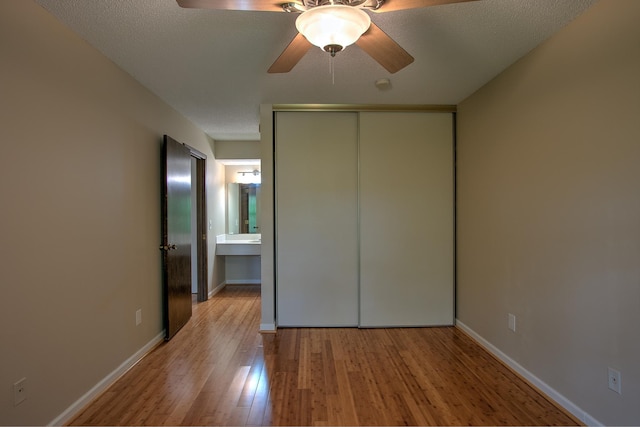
{"x": 211, "y": 65}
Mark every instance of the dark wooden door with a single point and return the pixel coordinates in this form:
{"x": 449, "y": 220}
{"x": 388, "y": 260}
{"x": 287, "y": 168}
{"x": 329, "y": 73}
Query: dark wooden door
{"x": 176, "y": 235}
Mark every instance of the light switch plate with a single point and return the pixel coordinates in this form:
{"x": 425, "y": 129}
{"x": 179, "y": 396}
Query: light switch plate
{"x": 512, "y": 322}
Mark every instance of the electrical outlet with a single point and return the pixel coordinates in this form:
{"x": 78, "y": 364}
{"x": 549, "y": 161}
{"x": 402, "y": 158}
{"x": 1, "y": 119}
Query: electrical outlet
{"x": 614, "y": 380}
{"x": 19, "y": 391}
{"x": 512, "y": 322}
{"x": 138, "y": 316}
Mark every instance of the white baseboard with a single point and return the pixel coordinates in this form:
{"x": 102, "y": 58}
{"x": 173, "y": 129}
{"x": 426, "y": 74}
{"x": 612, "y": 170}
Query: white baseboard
{"x": 535, "y": 381}
{"x": 268, "y": 327}
{"x": 217, "y": 289}
{"x": 72, "y": 410}
{"x": 244, "y": 282}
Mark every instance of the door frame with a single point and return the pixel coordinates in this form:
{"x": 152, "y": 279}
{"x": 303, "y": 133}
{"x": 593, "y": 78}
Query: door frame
{"x": 201, "y": 224}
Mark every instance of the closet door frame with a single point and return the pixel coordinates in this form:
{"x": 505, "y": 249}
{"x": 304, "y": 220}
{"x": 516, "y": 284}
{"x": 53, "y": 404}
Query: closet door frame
{"x": 269, "y": 316}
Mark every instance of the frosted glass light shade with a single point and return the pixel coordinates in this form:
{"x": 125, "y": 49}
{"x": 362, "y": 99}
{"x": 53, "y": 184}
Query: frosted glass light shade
{"x": 333, "y": 25}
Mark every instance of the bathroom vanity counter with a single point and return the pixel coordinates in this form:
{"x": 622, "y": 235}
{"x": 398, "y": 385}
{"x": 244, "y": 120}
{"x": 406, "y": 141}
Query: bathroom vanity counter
{"x": 238, "y": 244}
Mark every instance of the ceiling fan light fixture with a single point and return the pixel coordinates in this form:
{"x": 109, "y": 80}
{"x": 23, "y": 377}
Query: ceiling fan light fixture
{"x": 333, "y": 26}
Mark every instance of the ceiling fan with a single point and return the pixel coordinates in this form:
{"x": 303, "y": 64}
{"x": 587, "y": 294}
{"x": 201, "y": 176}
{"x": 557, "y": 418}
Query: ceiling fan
{"x": 331, "y": 25}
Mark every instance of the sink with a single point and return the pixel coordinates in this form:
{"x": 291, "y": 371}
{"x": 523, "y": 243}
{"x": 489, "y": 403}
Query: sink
{"x": 237, "y": 249}
{"x": 238, "y": 244}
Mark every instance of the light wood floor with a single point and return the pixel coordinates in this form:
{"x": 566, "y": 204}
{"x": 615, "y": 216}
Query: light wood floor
{"x": 218, "y": 370}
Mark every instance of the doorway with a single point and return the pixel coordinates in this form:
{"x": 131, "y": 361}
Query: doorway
{"x": 199, "y": 256}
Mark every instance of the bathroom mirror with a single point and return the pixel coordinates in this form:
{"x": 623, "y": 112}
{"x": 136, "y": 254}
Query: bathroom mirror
{"x": 243, "y": 208}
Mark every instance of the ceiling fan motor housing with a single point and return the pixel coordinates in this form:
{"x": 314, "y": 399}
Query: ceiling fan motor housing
{"x": 369, "y": 4}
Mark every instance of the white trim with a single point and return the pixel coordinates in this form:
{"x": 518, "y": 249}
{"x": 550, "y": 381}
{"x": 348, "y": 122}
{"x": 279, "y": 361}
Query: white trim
{"x": 107, "y": 381}
{"x": 217, "y": 289}
{"x": 243, "y": 282}
{"x": 267, "y": 327}
{"x": 535, "y": 381}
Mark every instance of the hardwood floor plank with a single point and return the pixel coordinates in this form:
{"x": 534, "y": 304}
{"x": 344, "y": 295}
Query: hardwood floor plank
{"x": 260, "y": 399}
{"x": 304, "y": 364}
{"x": 218, "y": 370}
{"x": 250, "y": 387}
{"x": 341, "y": 406}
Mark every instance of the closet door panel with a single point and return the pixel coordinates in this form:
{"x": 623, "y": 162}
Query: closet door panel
{"x": 316, "y": 219}
{"x": 406, "y": 219}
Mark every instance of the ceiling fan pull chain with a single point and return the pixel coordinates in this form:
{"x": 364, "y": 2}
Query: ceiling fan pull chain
{"x": 332, "y": 70}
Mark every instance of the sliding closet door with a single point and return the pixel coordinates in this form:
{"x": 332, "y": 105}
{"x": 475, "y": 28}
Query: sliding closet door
{"x": 316, "y": 219}
{"x": 406, "y": 219}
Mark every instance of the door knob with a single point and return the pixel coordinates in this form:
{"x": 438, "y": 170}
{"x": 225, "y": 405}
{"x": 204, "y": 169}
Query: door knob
{"x": 167, "y": 247}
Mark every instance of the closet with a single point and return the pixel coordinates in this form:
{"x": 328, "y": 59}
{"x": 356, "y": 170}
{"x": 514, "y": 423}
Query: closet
{"x": 364, "y": 218}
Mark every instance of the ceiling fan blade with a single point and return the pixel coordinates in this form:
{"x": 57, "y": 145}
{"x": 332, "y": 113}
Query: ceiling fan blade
{"x": 291, "y": 55}
{"x": 384, "y": 49}
{"x": 259, "y": 5}
{"x": 393, "y": 5}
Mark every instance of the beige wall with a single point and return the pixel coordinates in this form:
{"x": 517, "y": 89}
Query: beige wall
{"x": 549, "y": 211}
{"x": 237, "y": 150}
{"x": 80, "y": 227}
